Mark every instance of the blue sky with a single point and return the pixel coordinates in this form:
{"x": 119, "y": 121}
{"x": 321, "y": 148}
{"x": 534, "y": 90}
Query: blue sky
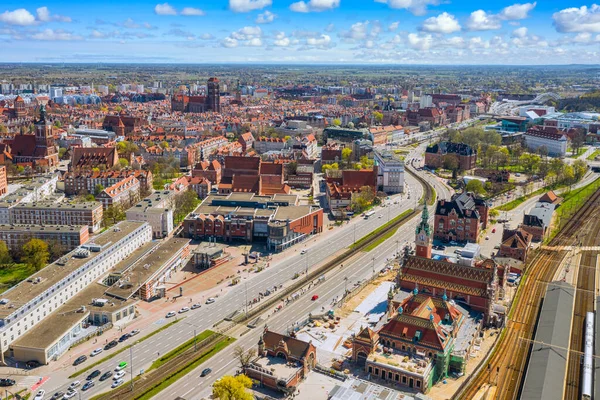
{"x": 309, "y": 31}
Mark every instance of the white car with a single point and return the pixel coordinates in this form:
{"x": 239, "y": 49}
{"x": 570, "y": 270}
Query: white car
{"x": 96, "y": 352}
{"x": 70, "y": 394}
{"x": 184, "y": 310}
{"x": 134, "y": 332}
{"x": 73, "y": 385}
{"x": 210, "y": 300}
{"x": 170, "y": 314}
{"x": 119, "y": 375}
{"x": 40, "y": 395}
{"x": 117, "y": 383}
{"x": 303, "y": 251}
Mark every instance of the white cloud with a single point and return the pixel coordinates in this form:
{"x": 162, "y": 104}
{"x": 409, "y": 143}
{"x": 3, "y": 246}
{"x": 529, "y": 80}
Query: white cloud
{"x": 393, "y": 26}
{"x": 129, "y": 23}
{"x": 417, "y": 42}
{"x": 247, "y": 33}
{"x": 582, "y": 19}
{"x": 265, "y": 18}
{"x": 443, "y": 23}
{"x": 43, "y": 15}
{"x": 482, "y": 21}
{"x": 321, "y": 42}
{"x": 517, "y": 11}
{"x": 20, "y": 17}
{"x": 330, "y": 28}
{"x": 520, "y": 32}
{"x": 191, "y": 12}
{"x": 357, "y": 31}
{"x": 314, "y": 5}
{"x": 281, "y": 40}
{"x": 206, "y": 36}
{"x": 417, "y": 7}
{"x": 255, "y": 42}
{"x": 248, "y": 5}
{"x": 165, "y": 9}
{"x": 55, "y": 35}
{"x": 229, "y": 42}
{"x": 98, "y": 35}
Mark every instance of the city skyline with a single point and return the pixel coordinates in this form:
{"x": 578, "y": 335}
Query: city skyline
{"x": 306, "y": 32}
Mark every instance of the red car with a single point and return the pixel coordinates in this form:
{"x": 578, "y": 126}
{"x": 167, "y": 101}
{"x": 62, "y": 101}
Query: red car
{"x": 315, "y": 296}
{"x": 494, "y": 230}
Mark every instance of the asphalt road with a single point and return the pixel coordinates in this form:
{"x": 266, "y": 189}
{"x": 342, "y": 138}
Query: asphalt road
{"x": 204, "y": 318}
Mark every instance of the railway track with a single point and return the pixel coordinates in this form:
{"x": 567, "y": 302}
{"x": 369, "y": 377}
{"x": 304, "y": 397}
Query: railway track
{"x": 505, "y": 368}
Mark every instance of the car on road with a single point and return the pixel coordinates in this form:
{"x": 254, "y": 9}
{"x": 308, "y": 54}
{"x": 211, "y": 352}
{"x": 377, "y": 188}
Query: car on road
{"x": 184, "y": 310}
{"x": 117, "y": 383}
{"x": 79, "y": 360}
{"x": 119, "y": 375}
{"x": 206, "y": 371}
{"x": 93, "y": 375}
{"x": 122, "y": 365}
{"x": 453, "y": 243}
{"x": 134, "y": 332}
{"x": 304, "y": 252}
{"x": 32, "y": 364}
{"x": 74, "y": 384}
{"x": 40, "y": 395}
{"x": 57, "y": 395}
{"x": 314, "y": 297}
{"x": 111, "y": 344}
{"x": 106, "y": 375}
{"x": 7, "y": 382}
{"x": 487, "y": 238}
{"x": 170, "y": 314}
{"x": 88, "y": 385}
{"x": 96, "y": 352}
{"x": 124, "y": 337}
{"x": 494, "y": 230}
{"x": 70, "y": 394}
{"x": 196, "y": 305}
{"x": 210, "y": 300}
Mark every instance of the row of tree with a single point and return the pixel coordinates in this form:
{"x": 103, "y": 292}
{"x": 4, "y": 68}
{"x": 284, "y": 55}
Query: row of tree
{"x": 36, "y": 253}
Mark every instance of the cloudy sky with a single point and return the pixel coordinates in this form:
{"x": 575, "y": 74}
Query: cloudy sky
{"x": 305, "y": 31}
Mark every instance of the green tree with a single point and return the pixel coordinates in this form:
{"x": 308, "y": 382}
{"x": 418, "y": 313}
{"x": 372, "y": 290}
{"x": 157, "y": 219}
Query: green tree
{"x": 363, "y": 199}
{"x": 232, "y": 388}
{"x": 346, "y": 154}
{"x": 336, "y": 122}
{"x": 61, "y": 152}
{"x": 578, "y": 140}
{"x": 378, "y": 117}
{"x": 185, "y": 203}
{"x": 164, "y": 144}
{"x": 98, "y": 189}
{"x": 35, "y": 253}
{"x": 5, "y": 257}
{"x": 580, "y": 168}
{"x": 475, "y": 186}
{"x": 123, "y": 162}
{"x": 3, "y": 129}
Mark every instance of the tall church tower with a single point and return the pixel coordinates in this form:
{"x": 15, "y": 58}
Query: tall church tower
{"x": 213, "y": 98}
{"x": 423, "y": 239}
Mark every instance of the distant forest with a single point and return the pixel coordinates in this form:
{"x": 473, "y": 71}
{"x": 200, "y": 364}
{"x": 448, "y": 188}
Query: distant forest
{"x": 587, "y": 102}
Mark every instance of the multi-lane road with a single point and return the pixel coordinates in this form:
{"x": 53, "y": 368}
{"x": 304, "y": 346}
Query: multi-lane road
{"x": 146, "y": 352}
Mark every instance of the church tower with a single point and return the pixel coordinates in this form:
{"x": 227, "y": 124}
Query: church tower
{"x": 423, "y": 240}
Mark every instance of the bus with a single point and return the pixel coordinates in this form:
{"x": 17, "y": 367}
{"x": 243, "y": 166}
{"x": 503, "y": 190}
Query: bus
{"x": 369, "y": 214}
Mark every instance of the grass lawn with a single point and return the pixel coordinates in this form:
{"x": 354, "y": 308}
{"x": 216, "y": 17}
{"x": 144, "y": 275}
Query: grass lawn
{"x": 580, "y": 151}
{"x": 520, "y": 200}
{"x": 572, "y": 201}
{"x": 88, "y": 367}
{"x": 592, "y": 157}
{"x": 181, "y": 348}
{"x": 381, "y": 228}
{"x": 11, "y": 274}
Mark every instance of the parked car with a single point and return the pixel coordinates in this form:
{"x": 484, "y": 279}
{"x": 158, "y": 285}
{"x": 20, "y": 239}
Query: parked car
{"x": 7, "y": 382}
{"x": 93, "y": 375}
{"x": 210, "y": 300}
{"x": 119, "y": 375}
{"x": 57, "y": 395}
{"x": 170, "y": 314}
{"x": 196, "y": 305}
{"x": 106, "y": 375}
{"x": 88, "y": 385}
{"x": 111, "y": 344}
{"x": 134, "y": 332}
{"x": 122, "y": 365}
{"x": 117, "y": 383}
{"x": 184, "y": 310}
{"x": 314, "y": 297}
{"x": 206, "y": 371}
{"x": 124, "y": 337}
{"x": 79, "y": 360}
{"x": 40, "y": 395}
{"x": 453, "y": 243}
{"x": 96, "y": 352}
{"x": 32, "y": 364}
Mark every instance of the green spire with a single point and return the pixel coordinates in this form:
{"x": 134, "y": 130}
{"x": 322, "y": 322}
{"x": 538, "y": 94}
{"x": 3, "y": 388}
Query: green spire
{"x": 424, "y": 224}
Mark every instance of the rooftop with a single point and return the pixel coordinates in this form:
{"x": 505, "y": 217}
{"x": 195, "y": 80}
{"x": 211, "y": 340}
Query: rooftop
{"x": 47, "y": 277}
{"x": 277, "y": 367}
{"x": 62, "y": 206}
{"x": 42, "y": 228}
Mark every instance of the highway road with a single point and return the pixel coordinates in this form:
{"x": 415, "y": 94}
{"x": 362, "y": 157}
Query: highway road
{"x": 204, "y": 318}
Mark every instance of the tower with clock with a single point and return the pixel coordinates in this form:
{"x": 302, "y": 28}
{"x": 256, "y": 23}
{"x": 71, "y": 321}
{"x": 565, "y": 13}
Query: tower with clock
{"x": 423, "y": 239}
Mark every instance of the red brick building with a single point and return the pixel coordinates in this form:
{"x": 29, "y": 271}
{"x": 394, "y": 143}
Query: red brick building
{"x": 3, "y": 181}
{"x": 434, "y": 155}
{"x": 92, "y": 157}
{"x": 340, "y": 190}
{"x": 39, "y": 150}
{"x": 87, "y": 181}
{"x": 209, "y": 170}
{"x": 515, "y": 244}
{"x": 461, "y": 218}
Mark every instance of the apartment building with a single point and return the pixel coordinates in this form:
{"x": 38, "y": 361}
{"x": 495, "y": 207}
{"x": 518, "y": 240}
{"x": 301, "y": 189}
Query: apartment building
{"x": 554, "y": 140}
{"x": 50, "y": 213}
{"x": 3, "y": 181}
{"x": 15, "y": 236}
{"x": 390, "y": 172}
{"x": 461, "y": 218}
{"x": 33, "y": 301}
{"x": 157, "y": 210}
{"x": 121, "y": 193}
{"x": 87, "y": 181}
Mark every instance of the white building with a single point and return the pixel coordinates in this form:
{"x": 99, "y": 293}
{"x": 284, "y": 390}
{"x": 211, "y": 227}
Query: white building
{"x": 23, "y": 306}
{"x": 554, "y": 142}
{"x": 55, "y": 92}
{"x": 157, "y": 210}
{"x": 390, "y": 172}
{"x": 425, "y": 101}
